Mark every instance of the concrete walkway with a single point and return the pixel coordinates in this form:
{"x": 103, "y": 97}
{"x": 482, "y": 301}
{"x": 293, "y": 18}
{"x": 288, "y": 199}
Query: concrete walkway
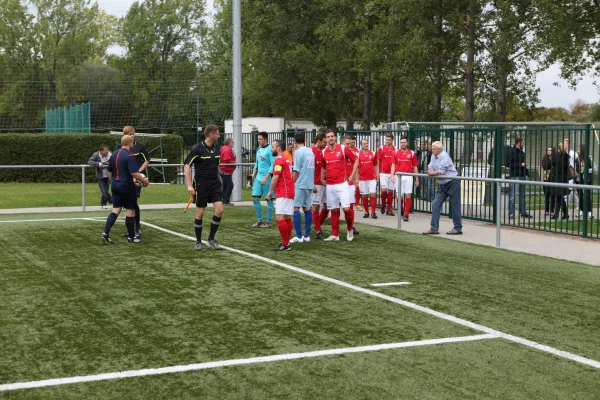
{"x": 557, "y": 246}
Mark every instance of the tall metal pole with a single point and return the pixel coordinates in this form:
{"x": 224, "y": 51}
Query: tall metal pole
{"x": 197, "y": 111}
{"x": 237, "y": 97}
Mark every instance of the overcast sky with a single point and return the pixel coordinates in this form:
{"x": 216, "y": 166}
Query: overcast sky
{"x": 550, "y": 95}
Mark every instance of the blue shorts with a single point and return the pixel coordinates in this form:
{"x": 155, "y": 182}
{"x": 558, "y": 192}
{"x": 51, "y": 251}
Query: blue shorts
{"x": 302, "y": 198}
{"x": 124, "y": 196}
{"x": 259, "y": 190}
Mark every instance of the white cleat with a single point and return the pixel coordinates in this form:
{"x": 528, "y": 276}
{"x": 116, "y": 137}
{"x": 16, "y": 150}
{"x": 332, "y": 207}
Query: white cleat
{"x": 306, "y": 239}
{"x": 296, "y": 239}
{"x": 332, "y": 239}
{"x": 350, "y": 236}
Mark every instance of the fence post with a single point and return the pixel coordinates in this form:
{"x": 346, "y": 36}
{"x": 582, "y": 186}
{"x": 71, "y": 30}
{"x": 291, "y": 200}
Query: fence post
{"x": 398, "y": 211}
{"x": 83, "y": 188}
{"x": 586, "y": 192}
{"x": 498, "y": 163}
{"x": 497, "y": 211}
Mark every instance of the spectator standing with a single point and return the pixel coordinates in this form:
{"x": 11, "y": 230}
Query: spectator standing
{"x": 559, "y": 173}
{"x": 100, "y": 160}
{"x": 573, "y": 158}
{"x": 226, "y": 171}
{"x": 289, "y": 153}
{"x": 546, "y": 166}
{"x": 584, "y": 161}
{"x": 518, "y": 172}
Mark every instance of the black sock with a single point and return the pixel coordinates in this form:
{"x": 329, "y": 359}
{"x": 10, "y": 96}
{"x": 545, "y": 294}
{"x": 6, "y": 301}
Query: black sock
{"x": 110, "y": 221}
{"x": 137, "y": 217}
{"x": 214, "y": 225}
{"x": 129, "y": 223}
{"x": 198, "y": 229}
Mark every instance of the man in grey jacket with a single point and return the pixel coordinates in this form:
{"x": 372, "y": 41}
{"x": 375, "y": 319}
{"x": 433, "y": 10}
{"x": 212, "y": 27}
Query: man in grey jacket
{"x": 99, "y": 160}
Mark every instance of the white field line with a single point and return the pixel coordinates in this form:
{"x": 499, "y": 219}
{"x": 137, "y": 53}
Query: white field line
{"x": 390, "y": 284}
{"x": 229, "y": 363}
{"x": 448, "y": 317}
{"x": 49, "y": 220}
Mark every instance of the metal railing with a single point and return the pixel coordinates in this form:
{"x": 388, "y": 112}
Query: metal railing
{"x": 84, "y": 166}
{"x": 498, "y": 195}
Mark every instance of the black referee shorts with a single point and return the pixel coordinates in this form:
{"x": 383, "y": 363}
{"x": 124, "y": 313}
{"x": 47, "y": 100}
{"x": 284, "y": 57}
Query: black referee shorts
{"x": 124, "y": 196}
{"x": 208, "y": 191}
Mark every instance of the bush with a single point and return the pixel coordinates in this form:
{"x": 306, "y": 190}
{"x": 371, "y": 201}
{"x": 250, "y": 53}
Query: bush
{"x": 73, "y": 149}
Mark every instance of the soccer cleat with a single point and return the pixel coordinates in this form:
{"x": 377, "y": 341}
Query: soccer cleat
{"x": 213, "y": 245}
{"x": 405, "y": 218}
{"x": 267, "y": 225}
{"x": 402, "y": 212}
{"x": 366, "y": 215}
{"x": 296, "y": 239}
{"x": 102, "y": 207}
{"x": 359, "y": 208}
{"x": 374, "y": 215}
{"x": 319, "y": 236}
{"x": 198, "y": 246}
{"x": 107, "y": 238}
{"x": 138, "y": 233}
{"x": 350, "y": 236}
{"x": 389, "y": 213}
{"x": 382, "y": 210}
{"x": 354, "y": 231}
{"x": 135, "y": 240}
{"x": 281, "y": 247}
{"x": 258, "y": 224}
{"x": 125, "y": 235}
{"x": 306, "y": 239}
{"x": 332, "y": 239}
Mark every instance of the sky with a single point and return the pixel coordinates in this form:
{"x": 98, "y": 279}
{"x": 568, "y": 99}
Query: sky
{"x": 550, "y": 95}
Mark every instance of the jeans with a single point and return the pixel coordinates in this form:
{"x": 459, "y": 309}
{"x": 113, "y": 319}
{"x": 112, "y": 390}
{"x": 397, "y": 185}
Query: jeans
{"x": 227, "y": 187}
{"x": 511, "y": 198}
{"x": 430, "y": 189}
{"x": 448, "y": 190}
{"x": 105, "y": 196}
{"x": 549, "y": 199}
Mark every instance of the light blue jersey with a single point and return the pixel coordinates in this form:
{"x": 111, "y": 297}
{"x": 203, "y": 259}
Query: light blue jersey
{"x": 264, "y": 162}
{"x": 304, "y": 165}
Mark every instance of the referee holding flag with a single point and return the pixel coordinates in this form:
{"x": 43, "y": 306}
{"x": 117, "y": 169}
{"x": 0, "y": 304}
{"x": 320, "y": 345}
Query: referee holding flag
{"x": 205, "y": 158}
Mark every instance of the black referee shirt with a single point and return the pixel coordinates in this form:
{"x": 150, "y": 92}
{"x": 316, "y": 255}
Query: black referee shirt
{"x": 205, "y": 160}
{"x": 141, "y": 154}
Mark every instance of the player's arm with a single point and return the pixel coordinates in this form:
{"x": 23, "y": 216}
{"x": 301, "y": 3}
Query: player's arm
{"x": 95, "y": 161}
{"x": 277, "y": 170}
{"x": 393, "y": 172}
{"x": 295, "y": 172}
{"x": 416, "y": 171}
{"x": 255, "y": 169}
{"x": 132, "y": 166}
{"x": 187, "y": 170}
{"x": 270, "y": 172}
{"x": 324, "y": 173}
{"x": 376, "y": 164}
{"x": 146, "y": 157}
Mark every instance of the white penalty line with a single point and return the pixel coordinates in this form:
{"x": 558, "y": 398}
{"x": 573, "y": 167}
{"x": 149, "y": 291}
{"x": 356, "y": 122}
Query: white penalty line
{"x": 448, "y": 317}
{"x": 229, "y": 363}
{"x": 390, "y": 284}
{"x": 49, "y": 220}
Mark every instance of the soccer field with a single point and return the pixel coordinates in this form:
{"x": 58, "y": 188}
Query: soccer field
{"x": 82, "y": 319}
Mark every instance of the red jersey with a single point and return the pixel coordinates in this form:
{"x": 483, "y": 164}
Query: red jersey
{"x": 406, "y": 161}
{"x": 335, "y": 163}
{"x": 385, "y": 157}
{"x": 318, "y": 165}
{"x": 350, "y": 164}
{"x": 366, "y": 167}
{"x": 284, "y": 188}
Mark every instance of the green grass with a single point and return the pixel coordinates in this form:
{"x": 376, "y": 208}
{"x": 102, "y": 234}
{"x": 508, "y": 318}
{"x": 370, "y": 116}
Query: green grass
{"x": 31, "y": 195}
{"x": 72, "y": 305}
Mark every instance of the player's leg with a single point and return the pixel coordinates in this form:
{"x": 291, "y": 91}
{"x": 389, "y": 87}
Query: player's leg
{"x": 256, "y": 195}
{"x": 351, "y": 199}
{"x": 297, "y": 219}
{"x": 406, "y": 187}
{"x": 215, "y": 196}
{"x": 357, "y": 198}
{"x": 270, "y": 205}
{"x": 308, "y": 216}
{"x": 130, "y": 204}
{"x": 201, "y": 203}
{"x": 333, "y": 201}
{"x": 372, "y": 190}
{"x": 138, "y": 227}
{"x": 391, "y": 189}
{"x": 317, "y": 196}
{"x": 346, "y": 206}
{"x": 362, "y": 185}
{"x": 384, "y": 183}
{"x": 283, "y": 215}
{"x": 112, "y": 217}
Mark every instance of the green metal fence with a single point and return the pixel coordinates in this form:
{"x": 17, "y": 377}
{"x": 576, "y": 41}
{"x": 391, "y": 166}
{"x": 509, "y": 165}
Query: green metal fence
{"x": 69, "y": 119}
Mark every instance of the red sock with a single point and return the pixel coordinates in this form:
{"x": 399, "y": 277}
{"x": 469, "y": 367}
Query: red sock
{"x": 283, "y": 228}
{"x": 390, "y": 200}
{"x": 365, "y": 203}
{"x": 317, "y": 221}
{"x": 290, "y": 227}
{"x": 408, "y": 205}
{"x": 373, "y": 204}
{"x": 349, "y": 215}
{"x": 323, "y": 216}
{"x": 335, "y": 222}
{"x": 383, "y": 199}
{"x": 356, "y": 195}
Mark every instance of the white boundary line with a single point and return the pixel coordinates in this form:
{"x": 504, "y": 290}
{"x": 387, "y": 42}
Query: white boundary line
{"x": 49, "y": 219}
{"x": 390, "y": 284}
{"x": 448, "y": 317}
{"x": 229, "y": 363}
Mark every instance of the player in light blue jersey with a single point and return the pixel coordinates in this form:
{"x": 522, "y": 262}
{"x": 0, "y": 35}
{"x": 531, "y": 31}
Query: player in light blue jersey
{"x": 304, "y": 178}
{"x": 261, "y": 178}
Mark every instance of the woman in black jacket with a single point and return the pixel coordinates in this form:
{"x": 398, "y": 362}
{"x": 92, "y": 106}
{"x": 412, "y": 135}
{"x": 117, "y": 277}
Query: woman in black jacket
{"x": 584, "y": 161}
{"x": 549, "y": 199}
{"x": 559, "y": 173}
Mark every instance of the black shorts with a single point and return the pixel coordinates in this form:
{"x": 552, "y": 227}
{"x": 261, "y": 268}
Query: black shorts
{"x": 138, "y": 190}
{"x": 208, "y": 191}
{"x": 124, "y": 196}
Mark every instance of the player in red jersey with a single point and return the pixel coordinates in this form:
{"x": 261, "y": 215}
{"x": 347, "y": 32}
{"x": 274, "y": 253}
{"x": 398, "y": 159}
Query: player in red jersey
{"x": 318, "y": 197}
{"x": 350, "y": 143}
{"x": 368, "y": 173}
{"x": 385, "y": 157}
{"x": 335, "y": 177}
{"x": 357, "y": 201}
{"x": 283, "y": 186}
{"x": 405, "y": 161}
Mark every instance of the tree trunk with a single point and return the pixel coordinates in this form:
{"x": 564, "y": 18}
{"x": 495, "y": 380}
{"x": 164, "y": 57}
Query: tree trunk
{"x": 366, "y": 123}
{"x": 391, "y": 98}
{"x": 470, "y": 68}
{"x": 502, "y": 62}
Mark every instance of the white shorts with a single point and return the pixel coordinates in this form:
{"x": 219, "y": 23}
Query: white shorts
{"x": 351, "y": 193}
{"x": 386, "y": 183}
{"x": 284, "y": 206}
{"x": 319, "y": 198}
{"x": 367, "y": 187}
{"x": 406, "y": 185}
{"x": 338, "y": 195}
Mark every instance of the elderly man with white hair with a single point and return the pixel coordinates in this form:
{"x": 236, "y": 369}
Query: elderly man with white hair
{"x": 441, "y": 165}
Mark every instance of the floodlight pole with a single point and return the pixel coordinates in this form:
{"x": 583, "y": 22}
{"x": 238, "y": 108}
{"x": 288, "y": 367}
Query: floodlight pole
{"x": 237, "y": 97}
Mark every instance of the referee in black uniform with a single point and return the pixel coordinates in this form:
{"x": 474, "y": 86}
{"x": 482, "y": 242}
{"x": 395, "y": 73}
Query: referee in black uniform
{"x": 142, "y": 157}
{"x": 205, "y": 158}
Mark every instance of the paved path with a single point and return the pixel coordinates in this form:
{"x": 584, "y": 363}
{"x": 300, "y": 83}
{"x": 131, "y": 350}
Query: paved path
{"x": 545, "y": 244}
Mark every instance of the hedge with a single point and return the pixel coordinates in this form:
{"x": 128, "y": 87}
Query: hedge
{"x": 73, "y": 149}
